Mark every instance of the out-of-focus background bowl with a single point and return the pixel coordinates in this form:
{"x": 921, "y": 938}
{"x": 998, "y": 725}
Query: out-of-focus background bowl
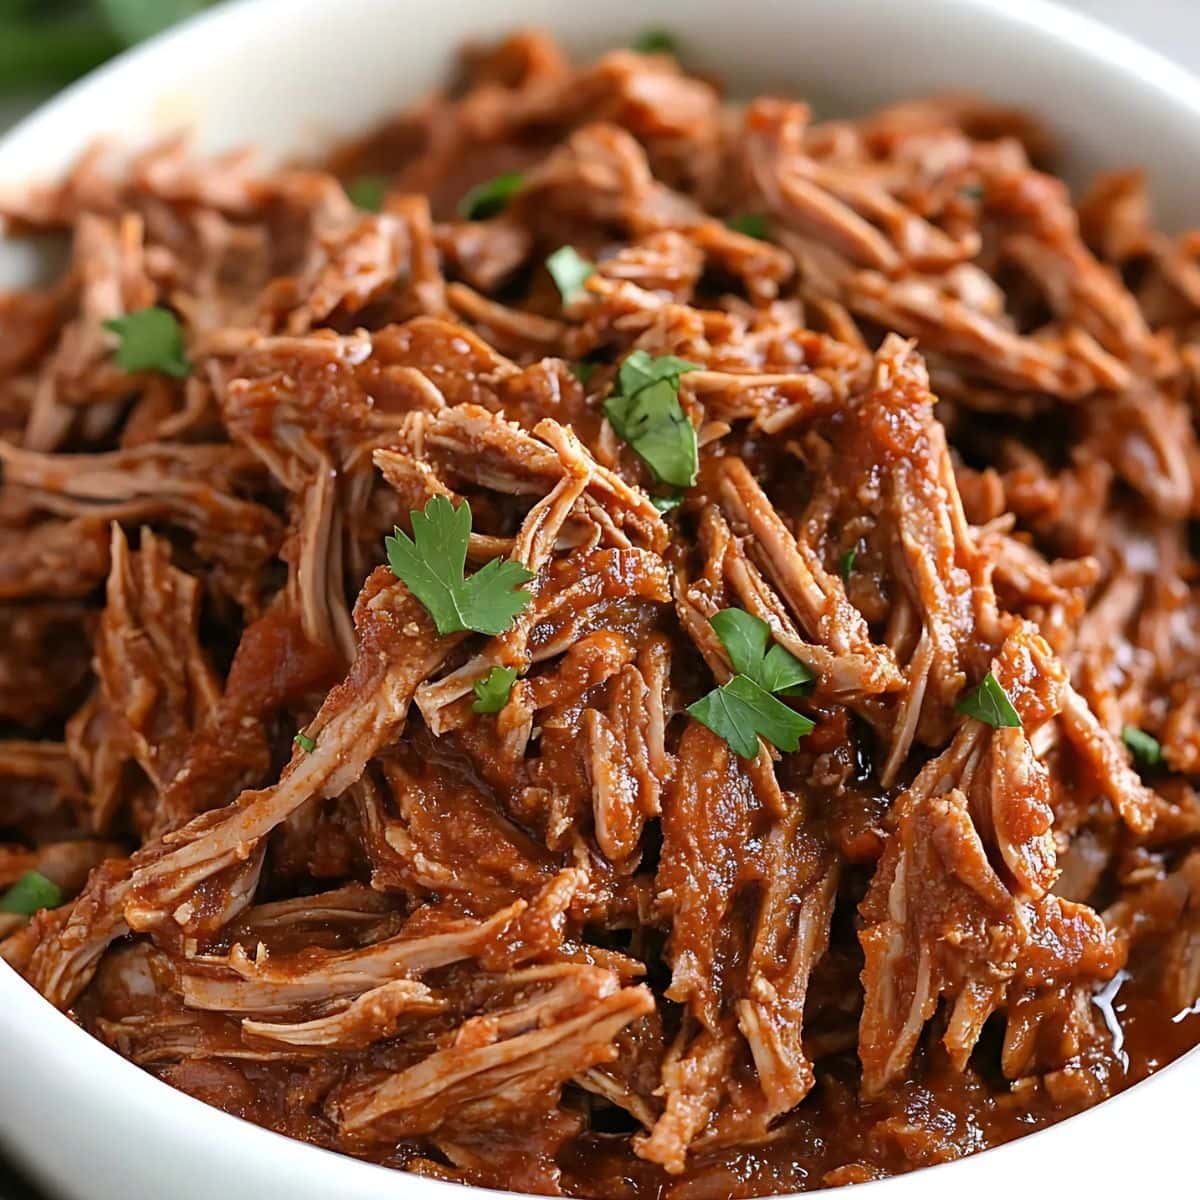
{"x": 292, "y": 75}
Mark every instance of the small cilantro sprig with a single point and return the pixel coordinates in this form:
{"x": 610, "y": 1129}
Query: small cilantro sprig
{"x": 570, "y": 271}
{"x": 367, "y": 192}
{"x": 746, "y": 639}
{"x": 493, "y": 689}
{"x": 150, "y": 339}
{"x": 490, "y": 197}
{"x": 31, "y": 892}
{"x": 988, "y": 702}
{"x": 645, "y": 412}
{"x": 306, "y": 743}
{"x": 432, "y": 564}
{"x": 746, "y": 708}
{"x": 1143, "y": 746}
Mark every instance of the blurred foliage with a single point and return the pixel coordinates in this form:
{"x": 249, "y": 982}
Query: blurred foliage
{"x": 44, "y": 43}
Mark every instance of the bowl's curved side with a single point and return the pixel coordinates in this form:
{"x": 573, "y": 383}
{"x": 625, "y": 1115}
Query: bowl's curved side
{"x": 291, "y": 74}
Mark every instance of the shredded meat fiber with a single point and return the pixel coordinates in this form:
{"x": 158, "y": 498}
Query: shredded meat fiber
{"x": 580, "y": 945}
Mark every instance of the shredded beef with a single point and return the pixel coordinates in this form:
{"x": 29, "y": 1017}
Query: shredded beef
{"x": 572, "y": 941}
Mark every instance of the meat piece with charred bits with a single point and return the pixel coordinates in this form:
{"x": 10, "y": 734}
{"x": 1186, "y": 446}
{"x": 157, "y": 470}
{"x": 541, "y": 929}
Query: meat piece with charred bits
{"x": 605, "y": 643}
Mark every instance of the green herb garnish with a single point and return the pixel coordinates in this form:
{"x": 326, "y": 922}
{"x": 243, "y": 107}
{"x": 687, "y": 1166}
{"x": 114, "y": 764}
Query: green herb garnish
{"x": 646, "y": 413}
{"x": 666, "y": 504}
{"x": 367, "y": 192}
{"x": 745, "y": 709}
{"x": 846, "y": 564}
{"x": 1146, "y": 749}
{"x": 306, "y": 743}
{"x": 741, "y": 712}
{"x": 751, "y": 224}
{"x": 988, "y": 702}
{"x": 493, "y": 689}
{"x": 151, "y": 339}
{"x": 655, "y": 41}
{"x": 583, "y": 371}
{"x": 31, "y": 892}
{"x": 491, "y": 197}
{"x": 570, "y": 271}
{"x": 432, "y": 566}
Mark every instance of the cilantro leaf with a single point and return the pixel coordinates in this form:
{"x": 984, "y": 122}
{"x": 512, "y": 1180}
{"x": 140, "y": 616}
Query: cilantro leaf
{"x": 846, "y": 564}
{"x": 306, "y": 743}
{"x": 493, "y": 689}
{"x": 741, "y": 712}
{"x": 1145, "y": 748}
{"x": 653, "y": 422}
{"x": 640, "y": 369}
{"x": 988, "y": 702}
{"x": 490, "y": 197}
{"x": 570, "y": 271}
{"x": 751, "y": 224}
{"x": 367, "y": 192}
{"x": 31, "y": 892}
{"x": 655, "y": 41}
{"x": 746, "y": 638}
{"x": 666, "y": 504}
{"x": 583, "y": 371}
{"x": 151, "y": 339}
{"x": 432, "y": 566}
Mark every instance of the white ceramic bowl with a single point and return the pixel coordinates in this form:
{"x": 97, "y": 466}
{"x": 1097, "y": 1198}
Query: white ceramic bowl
{"x": 292, "y": 74}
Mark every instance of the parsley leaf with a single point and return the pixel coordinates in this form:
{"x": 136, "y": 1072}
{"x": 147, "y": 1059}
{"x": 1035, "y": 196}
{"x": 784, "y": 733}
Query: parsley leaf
{"x": 666, "y": 504}
{"x": 1146, "y": 749}
{"x": 988, "y": 702}
{"x": 645, "y": 412}
{"x": 746, "y": 638}
{"x": 490, "y": 197}
{"x": 741, "y": 712}
{"x": 583, "y": 371}
{"x": 432, "y": 563}
{"x": 493, "y": 689}
{"x": 570, "y": 271}
{"x": 367, "y": 192}
{"x": 640, "y": 369}
{"x": 306, "y": 743}
{"x": 655, "y": 41}
{"x": 751, "y": 224}
{"x": 31, "y": 892}
{"x": 151, "y": 339}
{"x": 846, "y": 564}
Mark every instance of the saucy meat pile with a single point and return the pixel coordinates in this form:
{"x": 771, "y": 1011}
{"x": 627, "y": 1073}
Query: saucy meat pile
{"x": 609, "y": 643}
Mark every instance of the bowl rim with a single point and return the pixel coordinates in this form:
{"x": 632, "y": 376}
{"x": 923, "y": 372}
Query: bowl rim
{"x": 51, "y": 1037}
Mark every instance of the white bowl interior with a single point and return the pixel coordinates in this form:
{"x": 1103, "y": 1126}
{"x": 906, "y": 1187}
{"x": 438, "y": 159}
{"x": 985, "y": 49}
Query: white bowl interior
{"x": 291, "y": 75}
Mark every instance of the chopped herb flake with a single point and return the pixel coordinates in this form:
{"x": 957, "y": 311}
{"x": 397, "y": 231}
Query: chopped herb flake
{"x": 31, "y": 892}
{"x": 367, "y": 192}
{"x": 150, "y": 339}
{"x": 583, "y": 371}
{"x": 655, "y": 41}
{"x": 846, "y": 564}
{"x": 988, "y": 702}
{"x": 1146, "y": 749}
{"x": 491, "y": 197}
{"x": 493, "y": 689}
{"x": 306, "y": 743}
{"x": 666, "y": 504}
{"x": 432, "y": 564}
{"x": 751, "y": 224}
{"x": 570, "y": 271}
